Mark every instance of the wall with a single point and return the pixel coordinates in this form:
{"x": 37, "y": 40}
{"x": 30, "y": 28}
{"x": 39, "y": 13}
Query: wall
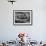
{"x": 37, "y": 31}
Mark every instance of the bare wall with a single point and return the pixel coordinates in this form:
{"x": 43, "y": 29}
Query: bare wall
{"x": 38, "y": 30}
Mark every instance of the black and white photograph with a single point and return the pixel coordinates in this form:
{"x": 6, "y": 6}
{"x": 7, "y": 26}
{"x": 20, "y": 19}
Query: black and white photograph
{"x": 22, "y": 17}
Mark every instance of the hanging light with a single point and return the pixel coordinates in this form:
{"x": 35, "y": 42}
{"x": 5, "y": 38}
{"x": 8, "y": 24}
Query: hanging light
{"x": 12, "y": 1}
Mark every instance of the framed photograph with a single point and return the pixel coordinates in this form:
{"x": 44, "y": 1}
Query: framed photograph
{"x": 22, "y": 17}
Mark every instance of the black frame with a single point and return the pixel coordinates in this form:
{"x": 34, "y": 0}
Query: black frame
{"x": 23, "y": 24}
